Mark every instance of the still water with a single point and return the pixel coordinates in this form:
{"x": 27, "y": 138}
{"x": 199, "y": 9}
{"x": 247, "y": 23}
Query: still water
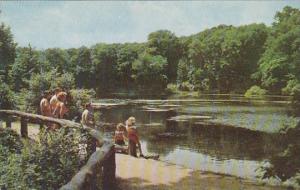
{"x": 228, "y": 135}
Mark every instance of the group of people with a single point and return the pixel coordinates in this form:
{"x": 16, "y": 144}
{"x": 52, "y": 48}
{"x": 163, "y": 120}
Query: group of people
{"x": 54, "y": 105}
{"x": 128, "y": 133}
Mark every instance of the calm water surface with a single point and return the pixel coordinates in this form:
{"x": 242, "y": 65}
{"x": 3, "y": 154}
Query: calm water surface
{"x": 228, "y": 135}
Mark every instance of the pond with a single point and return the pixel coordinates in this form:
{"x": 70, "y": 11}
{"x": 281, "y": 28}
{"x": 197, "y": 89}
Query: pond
{"x": 223, "y": 134}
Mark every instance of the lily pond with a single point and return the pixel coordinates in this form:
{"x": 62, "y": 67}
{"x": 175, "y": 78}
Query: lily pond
{"x": 222, "y": 134}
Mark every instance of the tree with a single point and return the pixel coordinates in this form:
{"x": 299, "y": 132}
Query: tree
{"x": 126, "y": 55}
{"x": 281, "y": 60}
{"x": 149, "y": 72}
{"x": 26, "y": 63}
{"x": 166, "y": 44}
{"x": 7, "y": 100}
{"x": 223, "y": 58}
{"x": 39, "y": 83}
{"x": 7, "y": 51}
{"x": 58, "y": 59}
{"x": 82, "y": 66}
{"x": 104, "y": 57}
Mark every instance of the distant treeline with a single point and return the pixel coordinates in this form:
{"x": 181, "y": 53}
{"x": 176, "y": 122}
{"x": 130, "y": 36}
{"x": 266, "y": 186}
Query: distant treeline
{"x": 222, "y": 59}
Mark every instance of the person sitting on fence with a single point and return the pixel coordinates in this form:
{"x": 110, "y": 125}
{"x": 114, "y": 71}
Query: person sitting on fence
{"x": 54, "y": 100}
{"x": 133, "y": 138}
{"x": 60, "y": 109}
{"x": 87, "y": 117}
{"x": 119, "y": 137}
{"x": 45, "y": 107}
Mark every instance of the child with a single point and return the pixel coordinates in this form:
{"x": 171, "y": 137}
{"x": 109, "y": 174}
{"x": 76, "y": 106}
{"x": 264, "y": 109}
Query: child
{"x": 133, "y": 138}
{"x": 119, "y": 137}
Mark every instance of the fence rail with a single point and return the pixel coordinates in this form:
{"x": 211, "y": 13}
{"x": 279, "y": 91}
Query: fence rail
{"x": 101, "y": 162}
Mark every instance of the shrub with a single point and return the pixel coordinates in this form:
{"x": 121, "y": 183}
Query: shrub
{"x": 46, "y": 164}
{"x": 293, "y": 89}
{"x": 171, "y": 88}
{"x": 284, "y": 165}
{"x": 39, "y": 83}
{"x": 255, "y": 91}
{"x": 77, "y": 99}
{"x": 186, "y": 86}
{"x": 7, "y": 100}
{"x": 10, "y": 140}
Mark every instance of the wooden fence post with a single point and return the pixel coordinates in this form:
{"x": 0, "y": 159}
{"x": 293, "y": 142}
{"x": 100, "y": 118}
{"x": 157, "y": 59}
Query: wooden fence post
{"x": 24, "y": 128}
{"x": 91, "y": 145}
{"x": 8, "y": 122}
{"x": 41, "y": 126}
{"x": 109, "y": 172}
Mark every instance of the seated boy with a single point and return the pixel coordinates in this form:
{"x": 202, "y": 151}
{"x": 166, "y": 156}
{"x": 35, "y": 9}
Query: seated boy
{"x": 119, "y": 137}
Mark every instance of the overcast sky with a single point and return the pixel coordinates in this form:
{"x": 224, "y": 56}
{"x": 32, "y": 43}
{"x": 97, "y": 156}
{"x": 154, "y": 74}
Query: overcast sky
{"x": 73, "y": 24}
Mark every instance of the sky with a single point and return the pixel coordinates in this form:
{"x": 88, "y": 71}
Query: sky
{"x": 67, "y": 24}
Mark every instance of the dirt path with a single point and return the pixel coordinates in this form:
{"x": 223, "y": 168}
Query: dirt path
{"x": 138, "y": 173}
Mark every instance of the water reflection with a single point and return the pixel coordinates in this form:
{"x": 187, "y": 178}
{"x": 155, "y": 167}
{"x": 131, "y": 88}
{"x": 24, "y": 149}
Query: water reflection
{"x": 230, "y": 138}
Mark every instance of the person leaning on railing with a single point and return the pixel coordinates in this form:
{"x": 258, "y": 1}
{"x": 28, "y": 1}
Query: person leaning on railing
{"x": 87, "y": 117}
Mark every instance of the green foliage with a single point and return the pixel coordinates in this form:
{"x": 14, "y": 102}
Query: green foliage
{"x": 47, "y": 164}
{"x": 172, "y": 88}
{"x": 150, "y": 71}
{"x": 39, "y": 83}
{"x": 166, "y": 44}
{"x": 65, "y": 81}
{"x": 293, "y": 88}
{"x": 284, "y": 165}
{"x": 10, "y": 140}
{"x": 255, "y": 91}
{"x": 224, "y": 57}
{"x": 82, "y": 66}
{"x": 104, "y": 56}
{"x": 7, "y": 99}
{"x": 7, "y": 51}
{"x": 26, "y": 63}
{"x": 281, "y": 60}
{"x": 186, "y": 86}
{"x": 58, "y": 58}
{"x": 79, "y": 97}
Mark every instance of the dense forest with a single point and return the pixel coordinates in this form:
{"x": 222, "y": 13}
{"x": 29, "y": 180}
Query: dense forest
{"x": 223, "y": 59}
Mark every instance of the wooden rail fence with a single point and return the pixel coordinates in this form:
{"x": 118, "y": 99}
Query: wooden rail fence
{"x": 101, "y": 166}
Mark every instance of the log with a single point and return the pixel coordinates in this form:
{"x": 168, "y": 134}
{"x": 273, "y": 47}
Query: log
{"x": 109, "y": 173}
{"x": 88, "y": 172}
{"x": 34, "y": 118}
{"x": 8, "y": 123}
{"x": 24, "y": 128}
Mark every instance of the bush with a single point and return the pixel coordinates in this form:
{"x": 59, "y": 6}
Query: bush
{"x": 293, "y": 89}
{"x": 47, "y": 164}
{"x": 186, "y": 86}
{"x": 284, "y": 165}
{"x": 10, "y": 140}
{"x": 255, "y": 91}
{"x": 39, "y": 83}
{"x": 7, "y": 100}
{"x": 171, "y": 88}
{"x": 77, "y": 99}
